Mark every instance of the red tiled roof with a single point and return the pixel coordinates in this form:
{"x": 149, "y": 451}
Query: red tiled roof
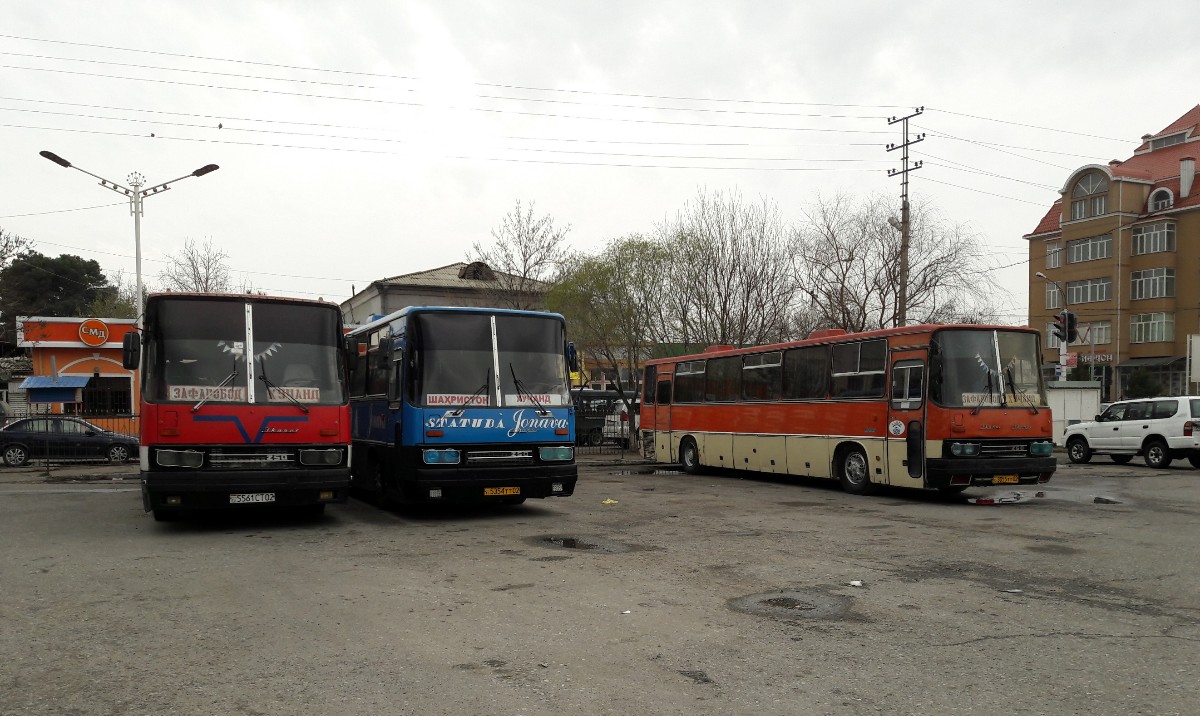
{"x": 1187, "y": 121}
{"x": 1049, "y": 222}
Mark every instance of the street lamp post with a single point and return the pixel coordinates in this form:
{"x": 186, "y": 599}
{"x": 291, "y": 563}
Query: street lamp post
{"x": 136, "y": 194}
{"x": 1061, "y": 371}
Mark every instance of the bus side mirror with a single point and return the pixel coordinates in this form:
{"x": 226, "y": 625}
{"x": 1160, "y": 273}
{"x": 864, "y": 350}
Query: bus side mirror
{"x": 351, "y": 354}
{"x": 131, "y": 351}
{"x": 572, "y": 357}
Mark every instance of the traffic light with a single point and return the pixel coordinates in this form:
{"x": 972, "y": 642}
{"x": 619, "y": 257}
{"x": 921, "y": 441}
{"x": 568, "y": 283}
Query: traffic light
{"x": 1060, "y": 327}
{"x": 1072, "y": 334}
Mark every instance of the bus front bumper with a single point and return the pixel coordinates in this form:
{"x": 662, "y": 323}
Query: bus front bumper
{"x": 947, "y": 472}
{"x": 179, "y": 490}
{"x": 491, "y": 483}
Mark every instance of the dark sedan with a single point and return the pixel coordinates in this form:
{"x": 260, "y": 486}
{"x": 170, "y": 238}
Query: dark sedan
{"x": 63, "y": 438}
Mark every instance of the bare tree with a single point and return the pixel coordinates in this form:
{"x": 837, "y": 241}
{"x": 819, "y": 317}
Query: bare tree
{"x": 847, "y": 261}
{"x": 731, "y": 279}
{"x": 525, "y": 256}
{"x": 10, "y": 246}
{"x": 201, "y": 268}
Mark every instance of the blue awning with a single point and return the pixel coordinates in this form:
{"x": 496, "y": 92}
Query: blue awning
{"x": 48, "y": 381}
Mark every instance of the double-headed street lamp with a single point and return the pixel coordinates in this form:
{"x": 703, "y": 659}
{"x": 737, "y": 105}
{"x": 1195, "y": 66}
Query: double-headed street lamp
{"x": 136, "y": 194}
{"x": 1066, "y": 328}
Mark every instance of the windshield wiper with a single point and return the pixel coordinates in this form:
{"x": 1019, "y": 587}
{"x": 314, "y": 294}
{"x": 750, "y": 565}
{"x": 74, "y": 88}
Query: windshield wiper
{"x": 487, "y": 382}
{"x": 1020, "y": 392}
{"x": 228, "y": 379}
{"x": 262, "y": 374}
{"x": 541, "y": 410}
{"x": 979, "y": 405}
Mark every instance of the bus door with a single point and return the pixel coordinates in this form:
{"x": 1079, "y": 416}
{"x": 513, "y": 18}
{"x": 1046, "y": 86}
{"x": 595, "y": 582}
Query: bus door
{"x": 906, "y": 423}
{"x": 663, "y": 448}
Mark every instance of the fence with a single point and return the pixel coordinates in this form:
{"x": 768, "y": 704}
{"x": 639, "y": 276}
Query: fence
{"x": 48, "y": 439}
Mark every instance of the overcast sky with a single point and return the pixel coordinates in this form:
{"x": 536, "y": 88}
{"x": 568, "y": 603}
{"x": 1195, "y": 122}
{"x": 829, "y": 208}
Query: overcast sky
{"x": 361, "y": 140}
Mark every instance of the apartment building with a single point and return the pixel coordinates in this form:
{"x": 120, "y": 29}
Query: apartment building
{"x": 1121, "y": 247}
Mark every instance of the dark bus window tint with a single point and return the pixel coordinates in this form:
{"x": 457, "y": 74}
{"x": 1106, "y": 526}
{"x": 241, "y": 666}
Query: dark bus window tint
{"x": 664, "y": 392}
{"x": 805, "y": 373}
{"x": 872, "y": 356}
{"x": 722, "y": 379}
{"x": 689, "y": 382}
{"x": 377, "y": 365}
{"x": 761, "y": 376}
{"x": 649, "y": 378}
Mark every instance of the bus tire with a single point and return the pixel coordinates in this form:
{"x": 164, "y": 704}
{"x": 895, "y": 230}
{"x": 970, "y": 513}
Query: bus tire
{"x": 854, "y": 472}
{"x": 1158, "y": 455}
{"x": 689, "y": 456}
{"x": 1078, "y": 451}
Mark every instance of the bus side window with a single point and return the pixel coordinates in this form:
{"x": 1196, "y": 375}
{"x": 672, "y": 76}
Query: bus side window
{"x": 663, "y": 396}
{"x": 907, "y": 385}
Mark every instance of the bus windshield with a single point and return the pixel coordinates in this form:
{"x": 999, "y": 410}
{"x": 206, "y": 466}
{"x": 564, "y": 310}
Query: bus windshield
{"x": 198, "y": 350}
{"x": 457, "y": 365}
{"x": 981, "y": 368}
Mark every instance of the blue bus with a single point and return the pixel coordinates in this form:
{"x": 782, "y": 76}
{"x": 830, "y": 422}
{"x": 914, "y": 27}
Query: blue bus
{"x": 462, "y": 405}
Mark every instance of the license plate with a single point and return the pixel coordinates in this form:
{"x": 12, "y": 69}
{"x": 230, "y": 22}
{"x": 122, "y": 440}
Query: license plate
{"x": 1005, "y": 479}
{"x": 488, "y": 491}
{"x": 252, "y": 497}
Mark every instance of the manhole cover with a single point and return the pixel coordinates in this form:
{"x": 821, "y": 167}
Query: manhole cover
{"x": 793, "y": 604}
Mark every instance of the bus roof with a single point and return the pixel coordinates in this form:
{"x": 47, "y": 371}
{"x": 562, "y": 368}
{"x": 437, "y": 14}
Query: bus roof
{"x": 239, "y": 297}
{"x": 834, "y": 336}
{"x": 383, "y": 320}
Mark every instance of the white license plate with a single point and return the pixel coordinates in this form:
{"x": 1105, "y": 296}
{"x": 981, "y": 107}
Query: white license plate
{"x": 252, "y": 497}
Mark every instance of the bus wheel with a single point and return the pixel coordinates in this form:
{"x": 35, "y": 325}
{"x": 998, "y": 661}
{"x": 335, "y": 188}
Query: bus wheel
{"x": 855, "y": 472}
{"x": 1078, "y": 451}
{"x": 1157, "y": 455}
{"x": 689, "y": 456}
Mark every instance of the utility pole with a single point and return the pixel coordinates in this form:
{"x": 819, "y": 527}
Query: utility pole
{"x": 905, "y": 226}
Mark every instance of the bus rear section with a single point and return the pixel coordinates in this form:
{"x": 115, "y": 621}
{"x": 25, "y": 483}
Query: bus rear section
{"x": 942, "y": 407}
{"x": 243, "y": 403}
{"x": 462, "y": 405}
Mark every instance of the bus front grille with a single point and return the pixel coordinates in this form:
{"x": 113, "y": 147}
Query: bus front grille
{"x": 499, "y": 457}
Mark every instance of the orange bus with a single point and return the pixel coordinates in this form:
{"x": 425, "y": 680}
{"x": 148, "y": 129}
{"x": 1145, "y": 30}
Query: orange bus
{"x": 929, "y": 406}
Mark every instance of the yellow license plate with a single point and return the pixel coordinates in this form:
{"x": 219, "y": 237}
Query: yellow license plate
{"x": 1005, "y": 479}
{"x": 488, "y": 491}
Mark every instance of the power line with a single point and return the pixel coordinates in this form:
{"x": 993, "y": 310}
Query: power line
{"x": 63, "y": 211}
{"x": 1028, "y": 126}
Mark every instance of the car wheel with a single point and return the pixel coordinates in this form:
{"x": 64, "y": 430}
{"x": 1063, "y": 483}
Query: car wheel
{"x": 1078, "y": 451}
{"x": 854, "y": 472}
{"x": 689, "y": 456}
{"x": 1122, "y": 459}
{"x": 1194, "y": 459}
{"x": 1157, "y": 455}
{"x": 595, "y": 437}
{"x": 15, "y": 455}
{"x": 118, "y": 453}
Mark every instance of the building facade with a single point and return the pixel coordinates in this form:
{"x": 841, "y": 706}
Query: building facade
{"x": 76, "y": 365}
{"x": 1121, "y": 251}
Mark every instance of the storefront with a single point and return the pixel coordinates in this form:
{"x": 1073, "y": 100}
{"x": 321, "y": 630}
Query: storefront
{"x": 77, "y": 365}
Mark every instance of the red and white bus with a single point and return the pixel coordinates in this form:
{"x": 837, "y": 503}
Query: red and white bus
{"x": 927, "y": 406}
{"x": 243, "y": 402}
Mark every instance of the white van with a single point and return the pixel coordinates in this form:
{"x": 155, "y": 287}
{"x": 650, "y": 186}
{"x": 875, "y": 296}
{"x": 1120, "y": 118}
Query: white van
{"x": 1158, "y": 429}
{"x": 620, "y": 425}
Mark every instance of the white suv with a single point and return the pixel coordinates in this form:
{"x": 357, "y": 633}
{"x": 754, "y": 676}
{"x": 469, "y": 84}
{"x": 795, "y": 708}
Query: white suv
{"x": 1159, "y": 429}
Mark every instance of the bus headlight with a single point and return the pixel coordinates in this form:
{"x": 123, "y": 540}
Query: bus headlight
{"x": 1041, "y": 449}
{"x": 549, "y": 454}
{"x": 321, "y": 457}
{"x": 440, "y": 457}
{"x": 964, "y": 449}
{"x": 179, "y": 458}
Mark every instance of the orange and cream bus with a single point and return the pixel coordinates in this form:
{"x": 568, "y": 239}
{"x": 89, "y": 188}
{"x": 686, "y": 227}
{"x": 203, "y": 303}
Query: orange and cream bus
{"x": 927, "y": 406}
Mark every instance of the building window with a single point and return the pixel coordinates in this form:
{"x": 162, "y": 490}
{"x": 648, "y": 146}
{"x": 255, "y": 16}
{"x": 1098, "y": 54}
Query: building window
{"x": 1153, "y": 283}
{"x": 1097, "y": 247}
{"x": 1154, "y": 238}
{"x": 1051, "y": 339}
{"x": 1089, "y": 197}
{"x": 1152, "y": 327}
{"x": 1096, "y": 333}
{"x": 1053, "y": 254}
{"x": 1166, "y": 141}
{"x": 107, "y": 396}
{"x": 1053, "y": 298}
{"x": 1089, "y": 290}
{"x": 1160, "y": 200}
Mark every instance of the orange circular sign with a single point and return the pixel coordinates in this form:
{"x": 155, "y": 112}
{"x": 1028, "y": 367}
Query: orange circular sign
{"x": 93, "y": 332}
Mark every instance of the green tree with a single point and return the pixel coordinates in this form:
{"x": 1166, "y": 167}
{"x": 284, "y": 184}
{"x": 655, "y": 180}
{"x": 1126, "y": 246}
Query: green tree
{"x": 1143, "y": 385}
{"x": 612, "y": 303}
{"x": 37, "y": 285}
